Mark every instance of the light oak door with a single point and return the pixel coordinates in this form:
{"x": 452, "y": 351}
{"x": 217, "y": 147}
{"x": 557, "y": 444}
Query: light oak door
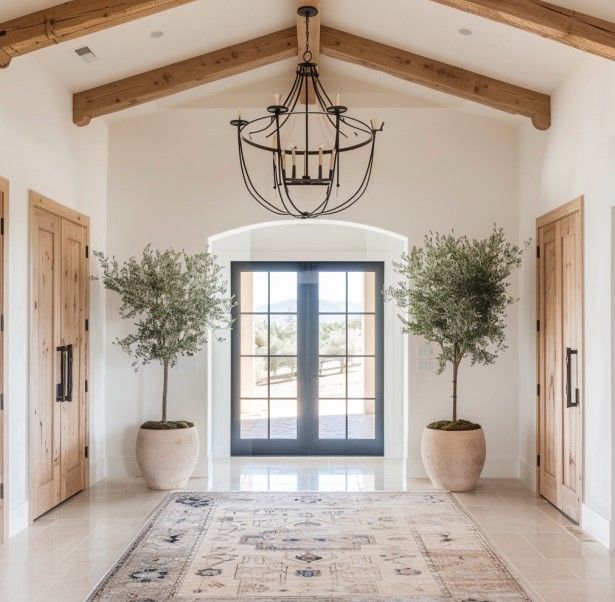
{"x": 560, "y": 357}
{"x": 58, "y": 358}
{"x": 45, "y": 427}
{"x": 73, "y": 303}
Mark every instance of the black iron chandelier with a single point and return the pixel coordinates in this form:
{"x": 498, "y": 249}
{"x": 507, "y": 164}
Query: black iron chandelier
{"x": 327, "y": 133}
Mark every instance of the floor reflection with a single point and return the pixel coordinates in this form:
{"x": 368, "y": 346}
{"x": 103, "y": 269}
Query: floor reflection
{"x": 309, "y": 474}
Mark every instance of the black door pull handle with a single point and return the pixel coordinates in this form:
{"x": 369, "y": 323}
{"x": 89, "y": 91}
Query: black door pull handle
{"x": 61, "y": 386}
{"x": 69, "y": 373}
{"x": 570, "y": 402}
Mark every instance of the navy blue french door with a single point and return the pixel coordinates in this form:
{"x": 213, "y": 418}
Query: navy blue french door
{"x": 307, "y": 358}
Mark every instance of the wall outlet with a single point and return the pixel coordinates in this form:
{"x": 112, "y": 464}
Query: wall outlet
{"x": 426, "y": 366}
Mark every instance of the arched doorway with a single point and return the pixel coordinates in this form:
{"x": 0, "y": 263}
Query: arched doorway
{"x": 300, "y": 243}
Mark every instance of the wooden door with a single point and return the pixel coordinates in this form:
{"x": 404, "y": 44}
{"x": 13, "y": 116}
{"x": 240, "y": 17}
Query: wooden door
{"x": 58, "y": 353}
{"x": 46, "y": 409}
{"x": 560, "y": 357}
{"x": 74, "y": 285}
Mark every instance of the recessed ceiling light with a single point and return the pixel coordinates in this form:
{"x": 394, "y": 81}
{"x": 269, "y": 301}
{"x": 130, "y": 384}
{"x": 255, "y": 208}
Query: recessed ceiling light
{"x": 464, "y": 31}
{"x": 86, "y": 55}
{"x": 156, "y": 34}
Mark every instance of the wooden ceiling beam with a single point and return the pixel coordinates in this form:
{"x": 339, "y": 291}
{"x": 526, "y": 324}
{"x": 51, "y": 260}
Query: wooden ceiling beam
{"x": 184, "y": 75}
{"x": 437, "y": 75}
{"x": 547, "y": 20}
{"x": 71, "y": 20}
{"x": 314, "y": 31}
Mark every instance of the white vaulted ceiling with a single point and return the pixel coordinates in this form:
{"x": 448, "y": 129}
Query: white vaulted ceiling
{"x": 419, "y": 26}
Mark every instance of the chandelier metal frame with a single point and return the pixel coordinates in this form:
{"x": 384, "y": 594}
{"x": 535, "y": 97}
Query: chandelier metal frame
{"x": 348, "y": 134}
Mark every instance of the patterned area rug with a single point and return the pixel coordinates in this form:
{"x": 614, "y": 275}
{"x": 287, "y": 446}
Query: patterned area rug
{"x": 309, "y": 546}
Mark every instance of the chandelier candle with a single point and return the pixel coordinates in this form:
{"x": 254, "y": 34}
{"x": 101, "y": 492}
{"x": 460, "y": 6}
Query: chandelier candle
{"x": 325, "y": 129}
{"x": 294, "y": 155}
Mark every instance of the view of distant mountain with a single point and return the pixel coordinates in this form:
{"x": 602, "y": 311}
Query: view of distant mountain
{"x": 325, "y": 305}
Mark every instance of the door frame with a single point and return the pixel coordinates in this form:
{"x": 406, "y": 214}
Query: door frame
{"x": 305, "y": 387}
{"x": 554, "y": 215}
{"x": 4, "y": 444}
{"x": 38, "y": 201}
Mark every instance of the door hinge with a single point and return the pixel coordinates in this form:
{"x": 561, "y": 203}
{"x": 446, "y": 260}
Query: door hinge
{"x": 1, "y": 491}
{"x": 537, "y": 252}
{"x": 1, "y": 401}
{"x": 87, "y": 251}
{"x": 2, "y": 322}
{"x": 87, "y": 451}
{"x": 538, "y": 460}
{"x": 538, "y": 389}
{"x": 537, "y": 325}
{"x": 86, "y": 385}
{"x": 87, "y": 324}
{"x": 1, "y": 226}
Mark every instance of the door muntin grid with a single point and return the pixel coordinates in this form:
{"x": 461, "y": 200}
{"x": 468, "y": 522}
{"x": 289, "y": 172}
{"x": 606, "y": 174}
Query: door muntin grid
{"x": 325, "y": 420}
{"x": 268, "y": 355}
{"x": 347, "y": 354}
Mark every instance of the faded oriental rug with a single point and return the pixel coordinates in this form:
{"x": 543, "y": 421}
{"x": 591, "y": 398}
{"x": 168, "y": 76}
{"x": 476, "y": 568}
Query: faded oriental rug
{"x": 309, "y": 546}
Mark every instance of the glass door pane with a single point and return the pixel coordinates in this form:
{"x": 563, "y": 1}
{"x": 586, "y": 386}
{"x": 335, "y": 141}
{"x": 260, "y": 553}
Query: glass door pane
{"x": 265, "y": 358}
{"x": 347, "y": 354}
{"x": 307, "y": 359}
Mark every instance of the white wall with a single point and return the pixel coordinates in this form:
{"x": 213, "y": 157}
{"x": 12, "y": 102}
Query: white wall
{"x": 575, "y": 157}
{"x": 40, "y": 149}
{"x": 174, "y": 181}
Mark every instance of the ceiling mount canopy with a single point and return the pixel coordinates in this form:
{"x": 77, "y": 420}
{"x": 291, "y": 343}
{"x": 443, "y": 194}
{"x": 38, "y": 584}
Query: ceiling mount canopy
{"x": 305, "y": 176}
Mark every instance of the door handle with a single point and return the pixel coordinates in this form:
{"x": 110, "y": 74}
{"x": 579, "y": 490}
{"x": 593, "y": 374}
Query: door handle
{"x": 570, "y": 402}
{"x": 69, "y": 373}
{"x": 61, "y": 386}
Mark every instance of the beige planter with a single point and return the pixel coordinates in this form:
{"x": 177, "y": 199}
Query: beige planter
{"x": 453, "y": 459}
{"x": 167, "y": 458}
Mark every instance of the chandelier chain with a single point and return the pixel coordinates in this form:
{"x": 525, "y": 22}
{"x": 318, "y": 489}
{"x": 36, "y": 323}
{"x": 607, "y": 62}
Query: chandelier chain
{"x": 307, "y": 55}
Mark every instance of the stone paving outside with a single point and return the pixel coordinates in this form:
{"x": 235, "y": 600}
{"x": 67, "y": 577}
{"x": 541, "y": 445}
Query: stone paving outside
{"x": 332, "y": 412}
{"x": 360, "y": 426}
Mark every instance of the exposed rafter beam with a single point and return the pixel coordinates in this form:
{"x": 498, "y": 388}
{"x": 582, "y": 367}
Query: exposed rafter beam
{"x": 71, "y": 20}
{"x": 437, "y": 75}
{"x": 164, "y": 81}
{"x": 314, "y": 32}
{"x": 547, "y": 20}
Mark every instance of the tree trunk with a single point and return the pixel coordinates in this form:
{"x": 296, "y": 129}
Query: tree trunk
{"x": 165, "y": 386}
{"x": 455, "y": 371}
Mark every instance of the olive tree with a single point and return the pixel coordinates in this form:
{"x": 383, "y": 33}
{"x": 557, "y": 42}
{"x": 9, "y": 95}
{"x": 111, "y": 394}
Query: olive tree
{"x": 173, "y": 300}
{"x": 454, "y": 293}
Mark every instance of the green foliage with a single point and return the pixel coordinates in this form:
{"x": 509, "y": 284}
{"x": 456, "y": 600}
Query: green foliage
{"x": 454, "y": 293}
{"x": 172, "y": 298}
{"x": 332, "y": 337}
{"x": 453, "y": 425}
{"x": 282, "y": 335}
{"x": 169, "y": 425}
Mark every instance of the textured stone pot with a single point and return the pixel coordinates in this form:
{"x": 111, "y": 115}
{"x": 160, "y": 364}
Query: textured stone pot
{"x": 453, "y": 459}
{"x": 167, "y": 458}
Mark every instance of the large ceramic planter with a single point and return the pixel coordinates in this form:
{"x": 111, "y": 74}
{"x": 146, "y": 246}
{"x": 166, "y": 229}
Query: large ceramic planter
{"x": 167, "y": 457}
{"x": 453, "y": 459}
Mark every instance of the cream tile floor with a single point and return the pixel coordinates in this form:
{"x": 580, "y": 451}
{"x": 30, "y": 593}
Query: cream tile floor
{"x": 65, "y": 552}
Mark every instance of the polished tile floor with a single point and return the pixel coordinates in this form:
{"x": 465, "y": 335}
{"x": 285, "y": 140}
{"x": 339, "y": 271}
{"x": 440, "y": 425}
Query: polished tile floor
{"x": 65, "y": 552}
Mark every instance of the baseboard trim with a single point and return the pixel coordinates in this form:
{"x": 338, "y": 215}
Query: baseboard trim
{"x": 598, "y": 526}
{"x": 527, "y": 474}
{"x": 18, "y": 518}
{"x": 98, "y": 470}
{"x": 120, "y": 468}
{"x": 495, "y": 468}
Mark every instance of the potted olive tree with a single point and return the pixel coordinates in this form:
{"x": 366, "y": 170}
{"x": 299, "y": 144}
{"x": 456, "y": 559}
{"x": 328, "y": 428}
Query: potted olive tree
{"x": 454, "y": 294}
{"x": 172, "y": 299}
